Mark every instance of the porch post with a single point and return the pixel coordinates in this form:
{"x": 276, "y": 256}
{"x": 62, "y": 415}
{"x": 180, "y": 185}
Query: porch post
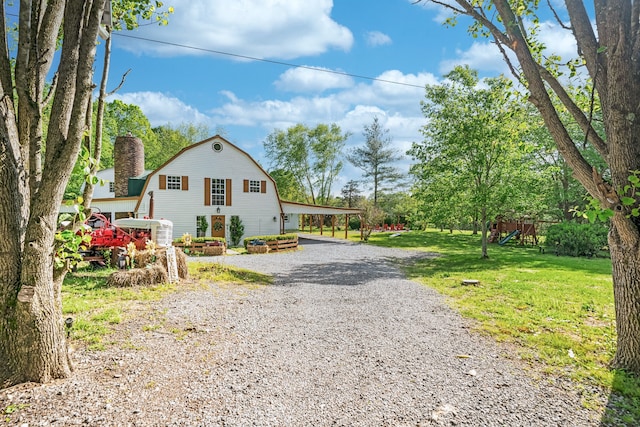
{"x": 333, "y": 225}
{"x": 346, "y": 226}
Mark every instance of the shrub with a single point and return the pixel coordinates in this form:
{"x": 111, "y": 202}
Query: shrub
{"x": 354, "y": 223}
{"x": 236, "y": 229}
{"x": 573, "y": 239}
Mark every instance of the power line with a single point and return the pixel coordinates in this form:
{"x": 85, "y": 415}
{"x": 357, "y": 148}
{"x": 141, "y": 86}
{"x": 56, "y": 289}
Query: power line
{"x": 287, "y": 64}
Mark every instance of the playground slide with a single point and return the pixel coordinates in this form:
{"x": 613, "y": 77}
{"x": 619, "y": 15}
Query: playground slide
{"x": 511, "y": 235}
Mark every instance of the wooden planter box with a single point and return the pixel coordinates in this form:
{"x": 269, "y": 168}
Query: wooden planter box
{"x": 203, "y": 248}
{"x": 282, "y": 245}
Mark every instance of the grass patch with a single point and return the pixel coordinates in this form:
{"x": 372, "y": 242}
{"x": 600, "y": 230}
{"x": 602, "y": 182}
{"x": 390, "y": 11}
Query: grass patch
{"x": 558, "y": 311}
{"x": 96, "y": 308}
{"x": 207, "y": 272}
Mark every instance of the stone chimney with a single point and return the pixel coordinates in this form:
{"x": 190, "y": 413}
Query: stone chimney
{"x": 128, "y": 162}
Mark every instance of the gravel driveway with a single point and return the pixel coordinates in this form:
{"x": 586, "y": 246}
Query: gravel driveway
{"x": 340, "y": 339}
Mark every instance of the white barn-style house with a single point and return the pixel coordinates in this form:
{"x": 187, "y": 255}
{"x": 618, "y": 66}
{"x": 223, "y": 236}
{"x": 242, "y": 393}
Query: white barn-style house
{"x": 202, "y": 185}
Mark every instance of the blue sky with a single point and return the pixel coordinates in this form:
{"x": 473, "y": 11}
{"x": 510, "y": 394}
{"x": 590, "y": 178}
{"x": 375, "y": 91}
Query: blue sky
{"x": 175, "y": 77}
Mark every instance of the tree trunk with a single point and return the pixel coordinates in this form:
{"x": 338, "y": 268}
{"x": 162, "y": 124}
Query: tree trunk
{"x": 485, "y": 253}
{"x": 625, "y": 259}
{"x": 32, "y": 340}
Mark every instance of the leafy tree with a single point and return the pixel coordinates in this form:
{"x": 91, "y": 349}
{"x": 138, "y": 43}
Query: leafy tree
{"x": 351, "y": 193}
{"x": 397, "y": 206}
{"x": 370, "y": 216}
{"x": 288, "y": 187}
{"x": 560, "y": 192}
{"x": 609, "y": 54}
{"x": 375, "y": 158}
{"x": 472, "y": 141}
{"x": 311, "y": 156}
{"x": 173, "y": 139}
{"x": 128, "y": 119}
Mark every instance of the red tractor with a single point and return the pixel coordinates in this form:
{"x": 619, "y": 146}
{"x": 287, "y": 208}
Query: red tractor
{"x": 106, "y": 236}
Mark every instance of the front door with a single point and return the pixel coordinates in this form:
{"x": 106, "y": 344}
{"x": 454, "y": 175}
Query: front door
{"x": 217, "y": 226}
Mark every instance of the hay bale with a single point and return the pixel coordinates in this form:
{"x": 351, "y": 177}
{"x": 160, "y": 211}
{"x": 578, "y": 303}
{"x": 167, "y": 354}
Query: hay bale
{"x": 148, "y": 276}
{"x": 181, "y": 260}
{"x": 144, "y": 258}
{"x": 214, "y": 250}
{"x": 257, "y": 249}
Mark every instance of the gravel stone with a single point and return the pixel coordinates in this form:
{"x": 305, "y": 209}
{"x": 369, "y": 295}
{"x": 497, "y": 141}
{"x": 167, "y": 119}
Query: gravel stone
{"x": 341, "y": 338}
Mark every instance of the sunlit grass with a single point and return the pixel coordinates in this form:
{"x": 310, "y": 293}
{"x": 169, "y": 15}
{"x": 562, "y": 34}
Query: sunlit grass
{"x": 96, "y": 308}
{"x": 220, "y": 272}
{"x": 557, "y": 311}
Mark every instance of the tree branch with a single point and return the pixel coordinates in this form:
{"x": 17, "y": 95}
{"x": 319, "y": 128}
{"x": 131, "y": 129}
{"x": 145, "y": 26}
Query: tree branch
{"x": 540, "y": 98}
{"x": 122, "y": 80}
{"x": 5, "y": 63}
{"x": 555, "y": 15}
{"x": 578, "y": 115}
{"x": 588, "y": 45}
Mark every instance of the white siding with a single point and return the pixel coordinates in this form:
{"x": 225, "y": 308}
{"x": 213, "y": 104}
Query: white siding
{"x": 256, "y": 210}
{"x": 109, "y": 206}
{"x": 102, "y": 191}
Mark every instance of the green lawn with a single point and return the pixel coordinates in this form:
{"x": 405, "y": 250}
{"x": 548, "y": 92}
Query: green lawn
{"x": 96, "y": 308}
{"x": 557, "y": 312}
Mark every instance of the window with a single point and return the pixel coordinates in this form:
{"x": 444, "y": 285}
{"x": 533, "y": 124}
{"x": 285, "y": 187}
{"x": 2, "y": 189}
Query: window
{"x": 174, "y": 182}
{"x": 254, "y": 186}
{"x": 217, "y": 192}
{"x": 217, "y": 146}
{"x": 112, "y": 187}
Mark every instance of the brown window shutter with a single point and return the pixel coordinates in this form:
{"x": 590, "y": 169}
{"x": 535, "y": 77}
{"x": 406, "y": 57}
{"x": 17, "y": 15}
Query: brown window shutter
{"x": 185, "y": 183}
{"x": 263, "y": 186}
{"x": 207, "y": 191}
{"x": 163, "y": 182}
{"x": 227, "y": 191}
{"x": 245, "y": 185}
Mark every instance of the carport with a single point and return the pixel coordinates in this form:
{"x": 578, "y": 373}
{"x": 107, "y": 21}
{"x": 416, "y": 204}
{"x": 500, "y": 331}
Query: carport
{"x": 309, "y": 211}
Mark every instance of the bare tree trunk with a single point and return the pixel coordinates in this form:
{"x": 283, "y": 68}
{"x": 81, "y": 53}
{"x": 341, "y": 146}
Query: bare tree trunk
{"x": 625, "y": 259}
{"x": 485, "y": 252}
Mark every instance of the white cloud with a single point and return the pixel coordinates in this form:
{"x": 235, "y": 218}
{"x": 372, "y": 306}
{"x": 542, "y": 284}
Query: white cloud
{"x": 442, "y": 13}
{"x": 378, "y": 96}
{"x": 483, "y": 57}
{"x": 396, "y": 106}
{"x": 161, "y": 109}
{"x": 256, "y": 28}
{"x": 558, "y": 40}
{"x": 376, "y": 38}
{"x": 486, "y": 58}
{"x": 317, "y": 79}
